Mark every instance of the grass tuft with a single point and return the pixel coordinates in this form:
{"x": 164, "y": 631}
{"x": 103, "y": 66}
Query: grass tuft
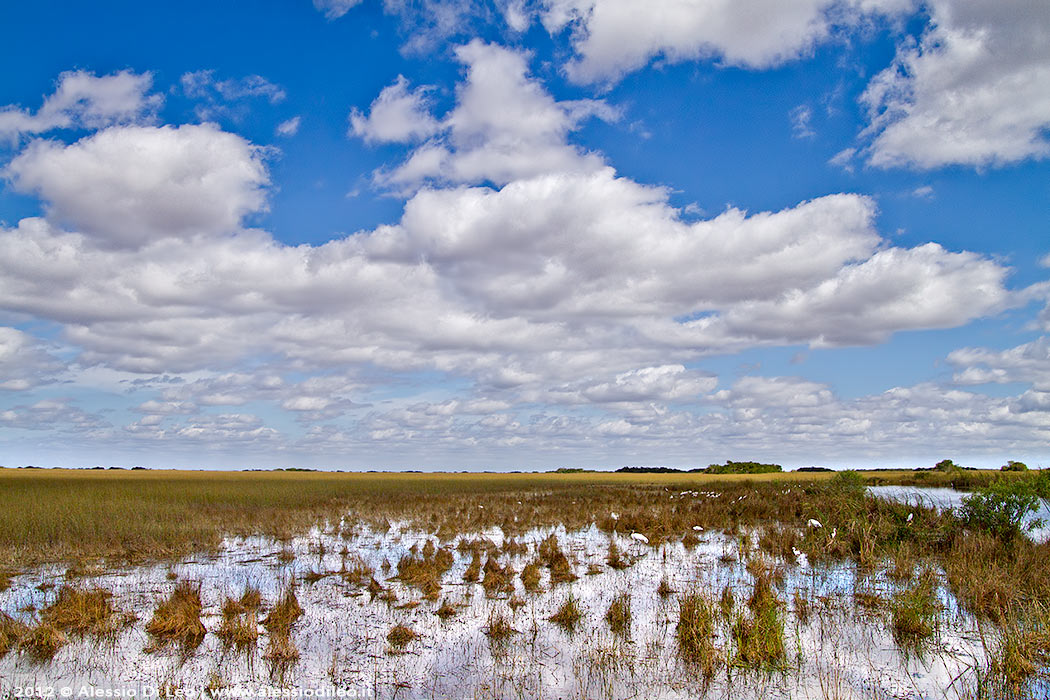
{"x": 42, "y": 642}
{"x": 695, "y": 633}
{"x": 619, "y": 614}
{"x": 400, "y": 635}
{"x": 11, "y": 631}
{"x": 915, "y": 613}
{"x": 178, "y": 619}
{"x": 568, "y": 615}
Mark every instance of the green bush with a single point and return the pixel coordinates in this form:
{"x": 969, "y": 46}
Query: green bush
{"x": 1001, "y": 508}
{"x": 849, "y": 483}
{"x": 743, "y": 468}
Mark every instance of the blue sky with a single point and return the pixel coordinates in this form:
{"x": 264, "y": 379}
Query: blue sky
{"x": 524, "y": 234}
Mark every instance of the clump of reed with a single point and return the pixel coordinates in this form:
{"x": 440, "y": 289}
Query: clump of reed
{"x": 284, "y": 614}
{"x": 615, "y": 558}
{"x": 446, "y": 610}
{"x": 915, "y": 612}
{"x": 400, "y": 635}
{"x": 498, "y": 626}
{"x": 727, "y": 602}
{"x": 497, "y": 579}
{"x": 568, "y": 615}
{"x": 84, "y": 611}
{"x": 11, "y": 631}
{"x": 867, "y": 597}
{"x": 355, "y": 570}
{"x": 695, "y": 632}
{"x": 801, "y": 607}
{"x": 530, "y": 576}
{"x": 758, "y": 630}
{"x": 1023, "y": 648}
{"x": 472, "y": 574}
{"x": 903, "y": 563}
{"x": 780, "y": 541}
{"x": 618, "y": 616}
{"x": 240, "y": 628}
{"x": 424, "y": 572}
{"x": 178, "y": 618}
{"x": 281, "y": 652}
{"x": 42, "y": 642}
{"x": 554, "y": 558}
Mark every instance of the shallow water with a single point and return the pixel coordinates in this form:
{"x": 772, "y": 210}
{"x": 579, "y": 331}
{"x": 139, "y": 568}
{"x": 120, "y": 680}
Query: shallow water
{"x": 944, "y": 498}
{"x": 342, "y": 635}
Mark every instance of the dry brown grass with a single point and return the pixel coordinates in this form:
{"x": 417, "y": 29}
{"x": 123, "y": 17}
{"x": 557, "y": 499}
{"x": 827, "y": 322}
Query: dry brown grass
{"x": 84, "y": 611}
{"x": 530, "y": 577}
{"x": 618, "y": 616}
{"x": 42, "y": 642}
{"x": 178, "y": 619}
{"x": 400, "y": 636}
{"x": 240, "y": 622}
{"x": 554, "y": 558}
{"x": 497, "y": 580}
{"x": 11, "y": 631}
{"x": 424, "y": 571}
{"x": 568, "y": 616}
{"x": 615, "y": 558}
{"x": 284, "y": 614}
{"x": 281, "y": 652}
{"x": 498, "y": 626}
{"x": 472, "y": 574}
{"x": 446, "y": 610}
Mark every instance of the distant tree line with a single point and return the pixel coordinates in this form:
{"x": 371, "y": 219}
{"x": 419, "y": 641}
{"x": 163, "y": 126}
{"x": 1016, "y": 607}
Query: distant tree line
{"x": 728, "y": 468}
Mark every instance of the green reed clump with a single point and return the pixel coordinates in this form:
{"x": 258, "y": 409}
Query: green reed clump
{"x": 758, "y": 630}
{"x": 915, "y": 612}
{"x": 695, "y": 634}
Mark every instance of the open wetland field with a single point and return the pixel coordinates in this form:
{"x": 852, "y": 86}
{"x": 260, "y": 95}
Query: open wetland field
{"x": 591, "y": 585}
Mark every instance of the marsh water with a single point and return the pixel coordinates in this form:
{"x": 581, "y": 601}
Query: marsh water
{"x": 841, "y": 648}
{"x": 1038, "y": 523}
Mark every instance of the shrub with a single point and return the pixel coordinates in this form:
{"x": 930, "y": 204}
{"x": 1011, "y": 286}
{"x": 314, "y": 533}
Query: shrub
{"x": 848, "y": 483}
{"x": 1000, "y": 509}
{"x": 743, "y": 468}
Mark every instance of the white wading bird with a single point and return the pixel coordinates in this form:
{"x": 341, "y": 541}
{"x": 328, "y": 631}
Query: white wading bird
{"x": 814, "y": 523}
{"x": 639, "y": 537}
